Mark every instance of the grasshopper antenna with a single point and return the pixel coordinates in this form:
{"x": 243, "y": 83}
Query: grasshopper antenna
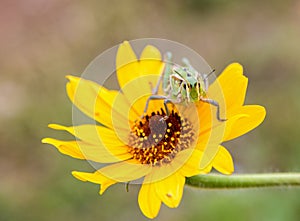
{"x": 207, "y": 75}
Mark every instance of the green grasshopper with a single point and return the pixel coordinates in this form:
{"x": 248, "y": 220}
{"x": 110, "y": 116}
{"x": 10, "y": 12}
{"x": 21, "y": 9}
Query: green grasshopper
{"x": 182, "y": 85}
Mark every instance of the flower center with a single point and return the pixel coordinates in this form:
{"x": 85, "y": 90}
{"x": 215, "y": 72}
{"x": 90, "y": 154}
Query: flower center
{"x": 155, "y": 139}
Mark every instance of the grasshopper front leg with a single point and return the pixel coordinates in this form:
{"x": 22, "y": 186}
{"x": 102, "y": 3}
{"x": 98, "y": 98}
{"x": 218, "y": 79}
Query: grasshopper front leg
{"x": 216, "y": 104}
{"x": 158, "y": 97}
{"x": 164, "y": 75}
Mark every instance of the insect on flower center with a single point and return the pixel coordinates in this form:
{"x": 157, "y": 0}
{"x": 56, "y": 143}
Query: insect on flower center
{"x": 156, "y": 138}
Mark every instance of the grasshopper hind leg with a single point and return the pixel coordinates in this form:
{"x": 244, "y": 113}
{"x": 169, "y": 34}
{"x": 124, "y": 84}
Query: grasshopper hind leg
{"x": 216, "y": 104}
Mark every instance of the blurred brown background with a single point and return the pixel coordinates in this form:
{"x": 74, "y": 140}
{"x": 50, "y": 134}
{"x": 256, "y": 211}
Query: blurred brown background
{"x": 42, "y": 41}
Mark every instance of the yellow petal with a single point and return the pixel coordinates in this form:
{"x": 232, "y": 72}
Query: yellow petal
{"x": 150, "y": 68}
{"x": 126, "y": 63}
{"x": 256, "y": 115}
{"x": 206, "y": 170}
{"x": 128, "y": 66}
{"x": 231, "y": 122}
{"x": 150, "y": 53}
{"x": 150, "y": 61}
{"x": 170, "y": 189}
{"x": 190, "y": 160}
{"x": 223, "y": 161}
{"x": 231, "y": 85}
{"x": 161, "y": 172}
{"x": 69, "y": 148}
{"x": 82, "y": 150}
{"x": 137, "y": 78}
{"x": 208, "y": 120}
{"x": 212, "y": 132}
{"x": 96, "y": 101}
{"x": 137, "y": 92}
{"x": 148, "y": 200}
{"x": 95, "y": 177}
{"x": 125, "y": 171}
{"x": 210, "y": 127}
{"x": 93, "y": 134}
{"x": 178, "y": 165}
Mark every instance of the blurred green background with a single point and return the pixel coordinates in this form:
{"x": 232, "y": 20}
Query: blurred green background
{"x": 42, "y": 41}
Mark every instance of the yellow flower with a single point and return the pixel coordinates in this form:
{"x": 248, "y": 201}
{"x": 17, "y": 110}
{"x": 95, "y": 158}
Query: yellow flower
{"x": 157, "y": 149}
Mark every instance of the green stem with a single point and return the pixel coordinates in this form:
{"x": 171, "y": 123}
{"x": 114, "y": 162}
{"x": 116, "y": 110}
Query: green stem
{"x": 214, "y": 181}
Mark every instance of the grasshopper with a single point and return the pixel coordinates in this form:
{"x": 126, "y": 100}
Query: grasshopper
{"x": 182, "y": 85}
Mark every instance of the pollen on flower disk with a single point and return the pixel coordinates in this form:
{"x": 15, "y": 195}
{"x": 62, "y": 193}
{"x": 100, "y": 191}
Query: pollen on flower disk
{"x": 156, "y": 138}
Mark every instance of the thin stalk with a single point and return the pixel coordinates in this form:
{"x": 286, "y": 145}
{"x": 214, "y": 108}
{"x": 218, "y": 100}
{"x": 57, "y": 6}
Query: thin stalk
{"x": 215, "y": 181}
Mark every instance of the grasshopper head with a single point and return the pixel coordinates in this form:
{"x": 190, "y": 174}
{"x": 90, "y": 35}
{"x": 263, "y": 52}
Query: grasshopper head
{"x": 192, "y": 84}
{"x": 196, "y": 88}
